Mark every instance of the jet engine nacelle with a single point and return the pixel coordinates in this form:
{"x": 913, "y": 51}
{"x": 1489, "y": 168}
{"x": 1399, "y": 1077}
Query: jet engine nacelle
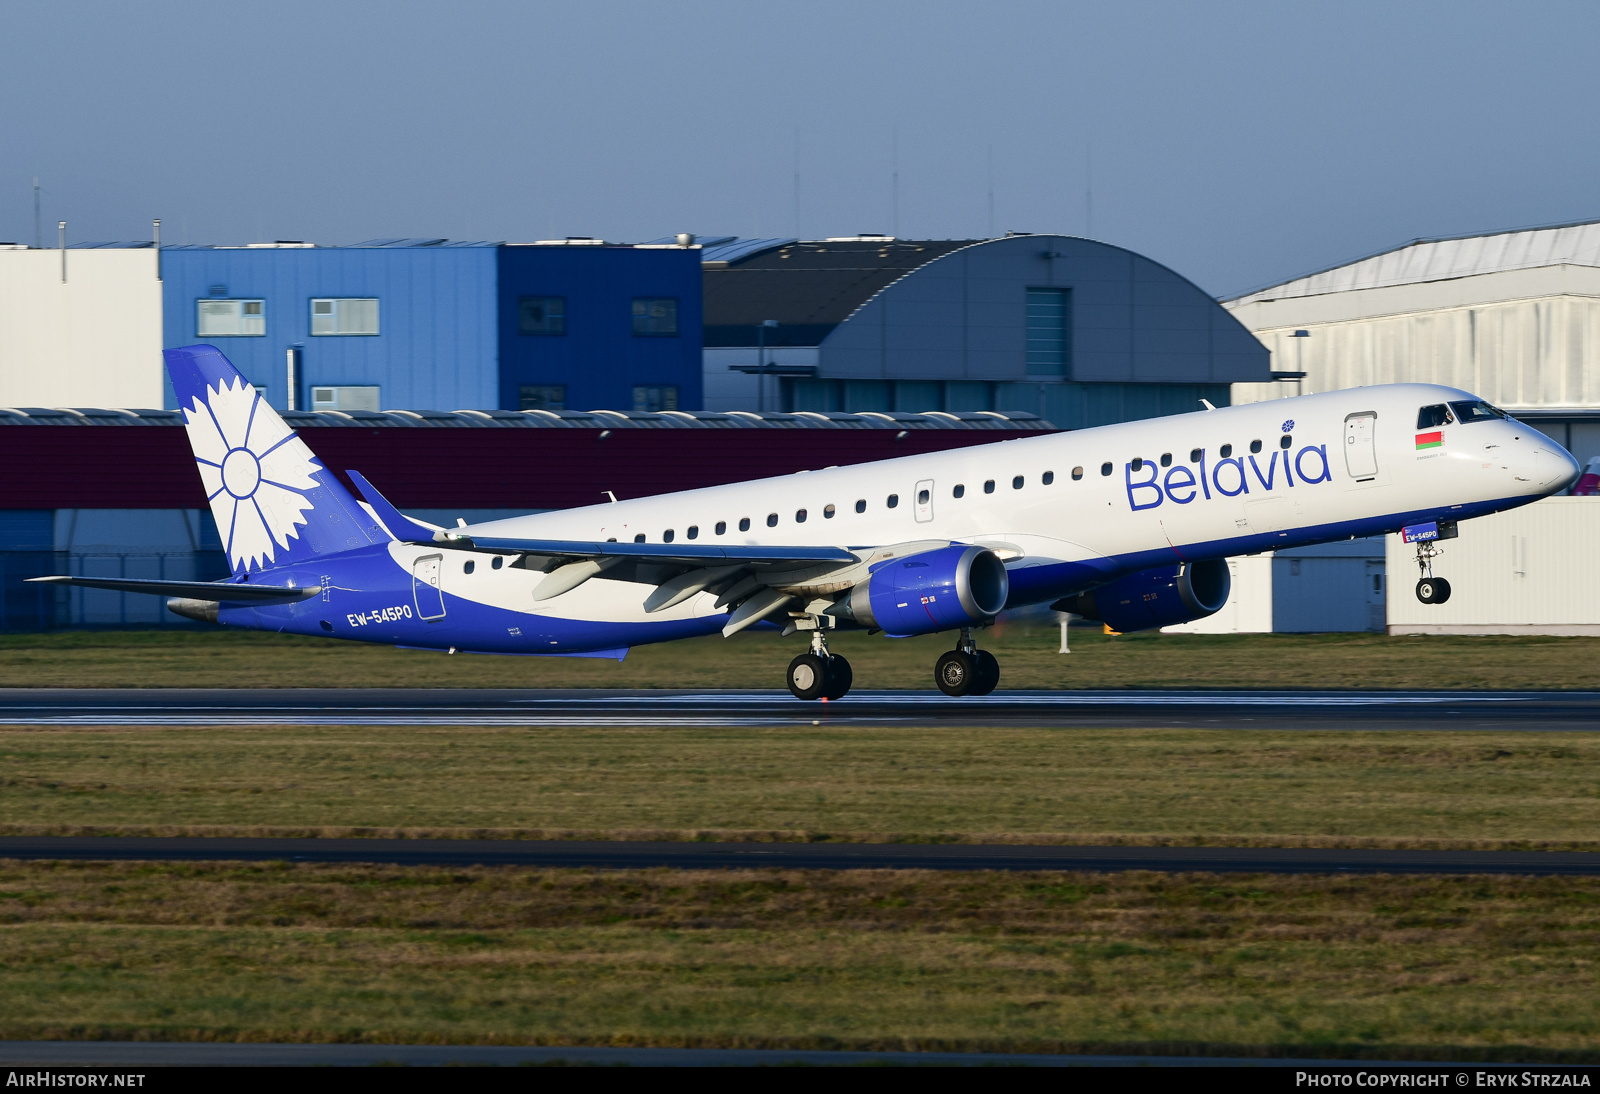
{"x": 1155, "y": 598}
{"x": 939, "y": 590}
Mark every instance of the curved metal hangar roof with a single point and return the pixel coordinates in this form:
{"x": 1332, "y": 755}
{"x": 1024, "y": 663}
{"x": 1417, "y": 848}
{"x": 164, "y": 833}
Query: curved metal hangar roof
{"x": 1425, "y": 260}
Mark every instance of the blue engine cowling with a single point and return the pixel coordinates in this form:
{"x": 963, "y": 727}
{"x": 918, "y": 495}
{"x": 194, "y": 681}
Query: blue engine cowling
{"x": 1155, "y": 598}
{"x": 932, "y": 591}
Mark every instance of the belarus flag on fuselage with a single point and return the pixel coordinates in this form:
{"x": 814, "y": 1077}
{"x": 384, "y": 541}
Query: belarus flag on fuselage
{"x": 1430, "y": 440}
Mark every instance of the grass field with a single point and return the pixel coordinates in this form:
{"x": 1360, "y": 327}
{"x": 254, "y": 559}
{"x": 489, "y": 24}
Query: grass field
{"x": 218, "y": 658}
{"x": 1259, "y": 786}
{"x": 1432, "y": 968}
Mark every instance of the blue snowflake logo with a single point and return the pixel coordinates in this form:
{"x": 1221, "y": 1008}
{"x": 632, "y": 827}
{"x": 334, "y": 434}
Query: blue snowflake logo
{"x": 1288, "y": 426}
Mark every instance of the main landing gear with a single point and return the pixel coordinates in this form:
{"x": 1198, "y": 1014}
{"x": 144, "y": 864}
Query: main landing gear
{"x": 1430, "y": 589}
{"x": 967, "y": 670}
{"x": 818, "y": 674}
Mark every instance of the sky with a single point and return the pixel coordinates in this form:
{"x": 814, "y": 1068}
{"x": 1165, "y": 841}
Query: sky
{"x": 1241, "y": 144}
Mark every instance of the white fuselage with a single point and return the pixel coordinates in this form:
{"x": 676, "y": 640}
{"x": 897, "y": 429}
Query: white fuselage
{"x": 1352, "y": 466}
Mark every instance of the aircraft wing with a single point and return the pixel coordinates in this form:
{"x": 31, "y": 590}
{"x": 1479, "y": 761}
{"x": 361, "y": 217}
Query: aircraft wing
{"x": 193, "y": 590}
{"x": 689, "y": 554}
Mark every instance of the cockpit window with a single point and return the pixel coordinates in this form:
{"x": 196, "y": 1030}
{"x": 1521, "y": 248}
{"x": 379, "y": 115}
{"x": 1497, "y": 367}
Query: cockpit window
{"x": 1479, "y": 411}
{"x": 1431, "y": 417}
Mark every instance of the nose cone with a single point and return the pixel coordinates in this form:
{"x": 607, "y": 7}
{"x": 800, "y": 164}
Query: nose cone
{"x": 1555, "y": 469}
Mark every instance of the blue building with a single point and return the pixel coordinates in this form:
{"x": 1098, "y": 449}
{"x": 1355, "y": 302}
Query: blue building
{"x": 431, "y": 323}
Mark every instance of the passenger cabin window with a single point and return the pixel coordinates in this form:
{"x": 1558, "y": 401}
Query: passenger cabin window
{"x": 772, "y": 520}
{"x": 693, "y": 532}
{"x": 1194, "y": 455}
{"x": 667, "y": 536}
{"x": 892, "y": 500}
{"x": 744, "y": 524}
{"x": 496, "y": 562}
{"x": 1048, "y": 477}
{"x": 1077, "y": 473}
{"x": 1226, "y": 450}
{"x": 1105, "y": 469}
{"x": 1166, "y": 459}
{"x": 639, "y": 538}
{"x": 922, "y": 497}
{"x": 988, "y": 487}
{"x": 1016, "y": 483}
{"x": 722, "y": 527}
{"x": 861, "y": 505}
{"x": 1432, "y": 417}
{"x": 827, "y": 512}
{"x": 1255, "y": 446}
{"x": 468, "y": 566}
{"x": 1285, "y": 441}
{"x": 1467, "y": 413}
{"x": 799, "y": 516}
{"x": 958, "y": 491}
{"x": 1138, "y": 464}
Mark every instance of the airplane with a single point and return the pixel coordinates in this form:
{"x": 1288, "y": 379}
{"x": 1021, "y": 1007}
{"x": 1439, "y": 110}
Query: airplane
{"x": 1128, "y": 524}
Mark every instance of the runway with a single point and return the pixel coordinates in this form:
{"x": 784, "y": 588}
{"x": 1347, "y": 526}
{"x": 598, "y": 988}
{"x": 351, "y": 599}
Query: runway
{"x": 621, "y": 855}
{"x": 1321, "y": 710}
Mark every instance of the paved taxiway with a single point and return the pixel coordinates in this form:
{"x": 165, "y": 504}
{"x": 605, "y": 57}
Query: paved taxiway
{"x": 1500, "y": 710}
{"x": 619, "y": 855}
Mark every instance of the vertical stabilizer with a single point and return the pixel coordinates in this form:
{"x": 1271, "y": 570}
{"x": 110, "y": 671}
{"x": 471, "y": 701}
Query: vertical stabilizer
{"x": 273, "y": 500}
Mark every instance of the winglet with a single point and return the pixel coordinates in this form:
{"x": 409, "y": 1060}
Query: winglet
{"x": 400, "y": 526}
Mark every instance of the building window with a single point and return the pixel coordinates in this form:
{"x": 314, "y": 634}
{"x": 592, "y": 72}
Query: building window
{"x": 648, "y": 400}
{"x": 344, "y": 398}
{"x": 1049, "y": 329}
{"x": 542, "y": 314}
{"x": 230, "y": 318}
{"x": 349, "y": 315}
{"x": 542, "y": 397}
{"x": 655, "y": 317}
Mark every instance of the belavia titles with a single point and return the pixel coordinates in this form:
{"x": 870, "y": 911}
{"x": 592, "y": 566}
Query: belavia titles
{"x": 1131, "y": 524}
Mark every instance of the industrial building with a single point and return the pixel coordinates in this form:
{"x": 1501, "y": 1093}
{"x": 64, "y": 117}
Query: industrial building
{"x": 436, "y": 323}
{"x": 80, "y": 326}
{"x": 1328, "y": 587}
{"x": 1519, "y": 572}
{"x": 386, "y": 323}
{"x": 1079, "y": 332}
{"x": 1513, "y": 317}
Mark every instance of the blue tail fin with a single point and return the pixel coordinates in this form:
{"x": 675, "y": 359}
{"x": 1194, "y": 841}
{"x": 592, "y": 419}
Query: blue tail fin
{"x": 274, "y": 501}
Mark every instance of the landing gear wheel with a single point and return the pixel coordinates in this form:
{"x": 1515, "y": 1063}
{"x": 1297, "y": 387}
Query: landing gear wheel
{"x": 955, "y": 673}
{"x": 986, "y": 674}
{"x": 808, "y": 676}
{"x": 1433, "y": 590}
{"x": 840, "y": 677}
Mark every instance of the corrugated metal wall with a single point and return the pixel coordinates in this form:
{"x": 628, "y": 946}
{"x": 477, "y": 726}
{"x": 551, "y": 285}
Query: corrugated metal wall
{"x": 1519, "y": 354}
{"x": 1525, "y": 571}
{"x": 437, "y": 344}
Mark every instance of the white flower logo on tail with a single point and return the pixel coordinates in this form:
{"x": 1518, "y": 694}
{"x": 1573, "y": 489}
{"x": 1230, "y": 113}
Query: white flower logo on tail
{"x": 254, "y": 468}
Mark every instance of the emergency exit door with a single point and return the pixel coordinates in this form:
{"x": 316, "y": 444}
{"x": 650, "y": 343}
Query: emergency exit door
{"x": 425, "y": 586}
{"x": 1360, "y": 450}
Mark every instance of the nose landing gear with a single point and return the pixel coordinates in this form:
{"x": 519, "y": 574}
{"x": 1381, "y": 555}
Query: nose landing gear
{"x": 967, "y": 670}
{"x": 819, "y": 674}
{"x": 1430, "y": 589}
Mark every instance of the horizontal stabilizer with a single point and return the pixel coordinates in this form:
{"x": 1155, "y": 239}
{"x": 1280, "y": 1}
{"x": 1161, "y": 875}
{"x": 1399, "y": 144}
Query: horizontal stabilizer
{"x": 692, "y": 553}
{"x": 400, "y": 526}
{"x": 192, "y": 590}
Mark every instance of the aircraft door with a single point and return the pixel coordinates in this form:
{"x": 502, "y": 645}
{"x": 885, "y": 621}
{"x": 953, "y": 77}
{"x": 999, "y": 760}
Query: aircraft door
{"x": 924, "y": 501}
{"x": 1360, "y": 450}
{"x": 426, "y": 573}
